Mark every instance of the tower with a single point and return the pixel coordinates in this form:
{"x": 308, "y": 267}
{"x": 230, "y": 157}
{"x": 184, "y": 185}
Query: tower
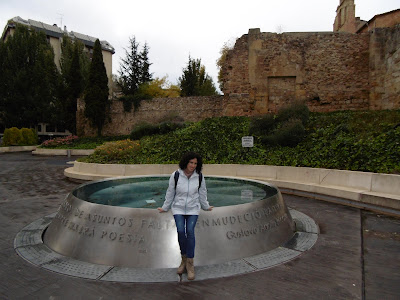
{"x": 345, "y": 17}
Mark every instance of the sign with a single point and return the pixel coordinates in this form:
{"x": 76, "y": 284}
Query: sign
{"x": 247, "y": 141}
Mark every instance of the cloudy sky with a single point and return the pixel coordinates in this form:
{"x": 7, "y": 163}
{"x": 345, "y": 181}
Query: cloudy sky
{"x": 175, "y": 29}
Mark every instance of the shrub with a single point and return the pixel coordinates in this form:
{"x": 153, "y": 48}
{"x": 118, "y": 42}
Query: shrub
{"x": 169, "y": 126}
{"x": 290, "y": 134}
{"x": 119, "y": 152}
{"x": 297, "y": 110}
{"x": 262, "y": 125}
{"x": 143, "y": 129}
{"x": 29, "y": 136}
{"x": 12, "y": 137}
{"x": 285, "y": 129}
{"x": 147, "y": 129}
{"x": 60, "y": 141}
{"x": 219, "y": 140}
{"x": 35, "y": 136}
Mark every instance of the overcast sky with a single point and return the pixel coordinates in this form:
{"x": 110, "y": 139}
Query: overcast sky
{"x": 175, "y": 29}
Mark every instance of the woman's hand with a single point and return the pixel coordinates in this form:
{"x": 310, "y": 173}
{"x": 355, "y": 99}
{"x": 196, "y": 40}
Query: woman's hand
{"x": 160, "y": 210}
{"x": 210, "y": 208}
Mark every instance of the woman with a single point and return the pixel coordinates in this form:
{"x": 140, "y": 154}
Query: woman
{"x": 186, "y": 194}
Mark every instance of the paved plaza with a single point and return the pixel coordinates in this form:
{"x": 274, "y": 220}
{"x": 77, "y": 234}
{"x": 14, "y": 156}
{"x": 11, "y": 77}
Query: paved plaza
{"x": 356, "y": 256}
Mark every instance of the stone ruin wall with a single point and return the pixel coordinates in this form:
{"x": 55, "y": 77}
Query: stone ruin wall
{"x": 264, "y": 71}
{"x": 385, "y": 69}
{"x": 152, "y": 111}
{"x": 329, "y": 71}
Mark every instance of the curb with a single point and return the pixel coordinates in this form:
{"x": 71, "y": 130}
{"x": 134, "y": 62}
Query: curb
{"x": 17, "y": 149}
{"x": 62, "y": 152}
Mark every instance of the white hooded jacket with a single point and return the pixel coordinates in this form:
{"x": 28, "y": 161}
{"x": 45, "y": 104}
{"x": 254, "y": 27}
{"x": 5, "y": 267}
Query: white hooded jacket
{"x": 188, "y": 198}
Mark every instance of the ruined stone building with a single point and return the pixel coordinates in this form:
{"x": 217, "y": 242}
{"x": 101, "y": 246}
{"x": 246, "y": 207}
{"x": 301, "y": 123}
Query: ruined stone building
{"x": 354, "y": 67}
{"x": 357, "y": 66}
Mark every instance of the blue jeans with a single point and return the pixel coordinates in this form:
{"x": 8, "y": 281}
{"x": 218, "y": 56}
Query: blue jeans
{"x": 185, "y": 226}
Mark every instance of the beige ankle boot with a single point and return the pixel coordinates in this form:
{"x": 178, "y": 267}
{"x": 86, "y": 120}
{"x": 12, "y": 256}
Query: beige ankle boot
{"x": 182, "y": 267}
{"x": 190, "y": 268}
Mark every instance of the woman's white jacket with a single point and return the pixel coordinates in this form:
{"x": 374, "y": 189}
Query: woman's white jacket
{"x": 187, "y": 199}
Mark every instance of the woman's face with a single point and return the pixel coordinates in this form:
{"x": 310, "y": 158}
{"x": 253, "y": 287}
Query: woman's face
{"x": 191, "y": 166}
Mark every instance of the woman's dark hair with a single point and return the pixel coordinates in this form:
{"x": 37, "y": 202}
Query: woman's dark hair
{"x": 187, "y": 157}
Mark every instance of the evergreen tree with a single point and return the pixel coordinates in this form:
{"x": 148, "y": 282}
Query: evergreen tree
{"x": 74, "y": 75}
{"x": 74, "y": 83}
{"x": 96, "y": 93}
{"x": 145, "y": 65}
{"x": 3, "y": 82}
{"x": 195, "y": 81}
{"x": 29, "y": 79}
{"x": 134, "y": 68}
{"x": 70, "y": 51}
{"x": 129, "y": 72}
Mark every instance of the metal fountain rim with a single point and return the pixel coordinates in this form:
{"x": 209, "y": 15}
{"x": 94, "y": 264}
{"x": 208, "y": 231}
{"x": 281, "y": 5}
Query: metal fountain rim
{"x": 28, "y": 244}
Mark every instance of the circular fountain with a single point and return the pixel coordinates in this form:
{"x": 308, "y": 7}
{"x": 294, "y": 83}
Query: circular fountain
{"x": 115, "y": 222}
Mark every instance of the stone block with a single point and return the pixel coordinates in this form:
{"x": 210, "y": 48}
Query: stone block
{"x": 111, "y": 169}
{"x": 309, "y": 175}
{"x": 220, "y": 170}
{"x": 257, "y": 171}
{"x": 386, "y": 183}
{"x": 351, "y": 179}
{"x": 144, "y": 169}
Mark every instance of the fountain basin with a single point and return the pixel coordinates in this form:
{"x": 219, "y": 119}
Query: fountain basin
{"x": 115, "y": 222}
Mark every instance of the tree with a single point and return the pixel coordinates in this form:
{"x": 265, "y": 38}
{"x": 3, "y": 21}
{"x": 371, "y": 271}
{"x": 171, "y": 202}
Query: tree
{"x": 74, "y": 75}
{"x": 96, "y": 93}
{"x": 146, "y": 76}
{"x": 134, "y": 75}
{"x": 134, "y": 68}
{"x": 195, "y": 81}
{"x": 161, "y": 88}
{"x": 68, "y": 51}
{"x": 3, "y": 82}
{"x": 29, "y": 79}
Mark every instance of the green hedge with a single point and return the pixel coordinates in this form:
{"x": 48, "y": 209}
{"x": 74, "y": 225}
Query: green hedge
{"x": 147, "y": 129}
{"x": 286, "y": 128}
{"x": 19, "y": 137}
{"x": 348, "y": 140}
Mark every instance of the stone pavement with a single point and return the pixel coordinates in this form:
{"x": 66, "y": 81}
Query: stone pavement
{"x": 357, "y": 254}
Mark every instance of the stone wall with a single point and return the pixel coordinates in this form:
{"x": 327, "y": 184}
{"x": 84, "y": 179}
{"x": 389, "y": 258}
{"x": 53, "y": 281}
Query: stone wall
{"x": 385, "y": 69}
{"x": 329, "y": 71}
{"x": 152, "y": 111}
